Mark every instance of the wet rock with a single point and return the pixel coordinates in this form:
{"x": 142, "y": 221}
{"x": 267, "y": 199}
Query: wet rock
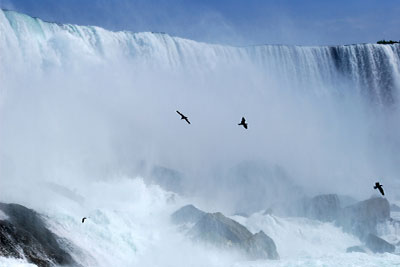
{"x": 187, "y": 214}
{"x": 216, "y": 229}
{"x": 378, "y": 245}
{"x": 24, "y": 235}
{"x": 261, "y": 246}
{"x": 362, "y": 218}
{"x": 219, "y": 230}
{"x": 223, "y": 232}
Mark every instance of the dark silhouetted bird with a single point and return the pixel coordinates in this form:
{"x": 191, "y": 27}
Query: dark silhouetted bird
{"x": 83, "y": 219}
{"x": 243, "y": 122}
{"x": 183, "y": 117}
{"x": 379, "y": 186}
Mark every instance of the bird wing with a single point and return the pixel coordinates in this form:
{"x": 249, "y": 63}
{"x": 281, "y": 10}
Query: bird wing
{"x": 381, "y": 190}
{"x": 186, "y": 119}
{"x": 243, "y": 120}
{"x": 245, "y": 125}
{"x": 179, "y": 113}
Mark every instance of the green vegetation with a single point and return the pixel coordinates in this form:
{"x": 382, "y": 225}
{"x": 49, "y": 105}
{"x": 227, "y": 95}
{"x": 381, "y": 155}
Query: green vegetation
{"x": 387, "y": 42}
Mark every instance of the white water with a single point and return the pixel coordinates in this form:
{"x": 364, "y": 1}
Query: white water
{"x": 82, "y": 108}
{"x": 300, "y": 237}
{"x": 132, "y": 228}
{"x": 8, "y": 262}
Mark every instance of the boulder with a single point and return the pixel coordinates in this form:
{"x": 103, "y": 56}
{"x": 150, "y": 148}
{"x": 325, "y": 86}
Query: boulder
{"x": 216, "y": 229}
{"x": 219, "y": 230}
{"x": 378, "y": 245}
{"x": 223, "y": 232}
{"x": 24, "y": 235}
{"x": 187, "y": 214}
{"x": 362, "y": 218}
{"x": 261, "y": 246}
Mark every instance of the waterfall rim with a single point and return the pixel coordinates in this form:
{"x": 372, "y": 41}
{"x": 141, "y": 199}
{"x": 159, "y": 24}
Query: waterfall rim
{"x": 192, "y": 40}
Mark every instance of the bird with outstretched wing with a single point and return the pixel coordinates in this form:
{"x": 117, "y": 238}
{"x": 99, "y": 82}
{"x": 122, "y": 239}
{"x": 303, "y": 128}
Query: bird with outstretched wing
{"x": 183, "y": 117}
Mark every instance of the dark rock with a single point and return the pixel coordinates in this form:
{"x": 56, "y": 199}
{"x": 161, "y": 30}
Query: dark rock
{"x": 355, "y": 249}
{"x": 323, "y": 207}
{"x": 16, "y": 243}
{"x": 187, "y": 214}
{"x": 261, "y": 246}
{"x": 362, "y": 218}
{"x": 24, "y": 234}
{"x": 378, "y": 245}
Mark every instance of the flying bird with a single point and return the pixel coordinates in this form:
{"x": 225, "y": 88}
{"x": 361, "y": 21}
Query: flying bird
{"x": 83, "y": 219}
{"x": 243, "y": 122}
{"x": 379, "y": 186}
{"x": 183, "y": 117}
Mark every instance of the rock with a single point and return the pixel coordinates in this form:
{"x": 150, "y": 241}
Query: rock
{"x": 323, "y": 207}
{"x": 219, "y": 230}
{"x": 355, "y": 249}
{"x": 261, "y": 246}
{"x": 362, "y": 218}
{"x": 187, "y": 214}
{"x": 24, "y": 235}
{"x": 378, "y": 245}
{"x": 223, "y": 232}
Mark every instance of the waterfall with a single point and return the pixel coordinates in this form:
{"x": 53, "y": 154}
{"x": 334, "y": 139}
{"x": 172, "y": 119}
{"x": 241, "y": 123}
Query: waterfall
{"x": 370, "y": 70}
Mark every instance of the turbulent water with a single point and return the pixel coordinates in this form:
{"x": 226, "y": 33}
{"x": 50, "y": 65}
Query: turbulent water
{"x": 85, "y": 112}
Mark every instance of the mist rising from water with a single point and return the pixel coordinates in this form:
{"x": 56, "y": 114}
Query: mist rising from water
{"x": 83, "y": 104}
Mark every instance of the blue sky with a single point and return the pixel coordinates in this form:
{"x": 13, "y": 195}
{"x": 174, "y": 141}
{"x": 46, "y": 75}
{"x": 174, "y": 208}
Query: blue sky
{"x": 245, "y": 22}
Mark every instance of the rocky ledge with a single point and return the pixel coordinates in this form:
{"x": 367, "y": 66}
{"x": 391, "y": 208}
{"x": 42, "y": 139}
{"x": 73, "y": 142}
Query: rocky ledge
{"x": 223, "y": 232}
{"x": 23, "y": 234}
